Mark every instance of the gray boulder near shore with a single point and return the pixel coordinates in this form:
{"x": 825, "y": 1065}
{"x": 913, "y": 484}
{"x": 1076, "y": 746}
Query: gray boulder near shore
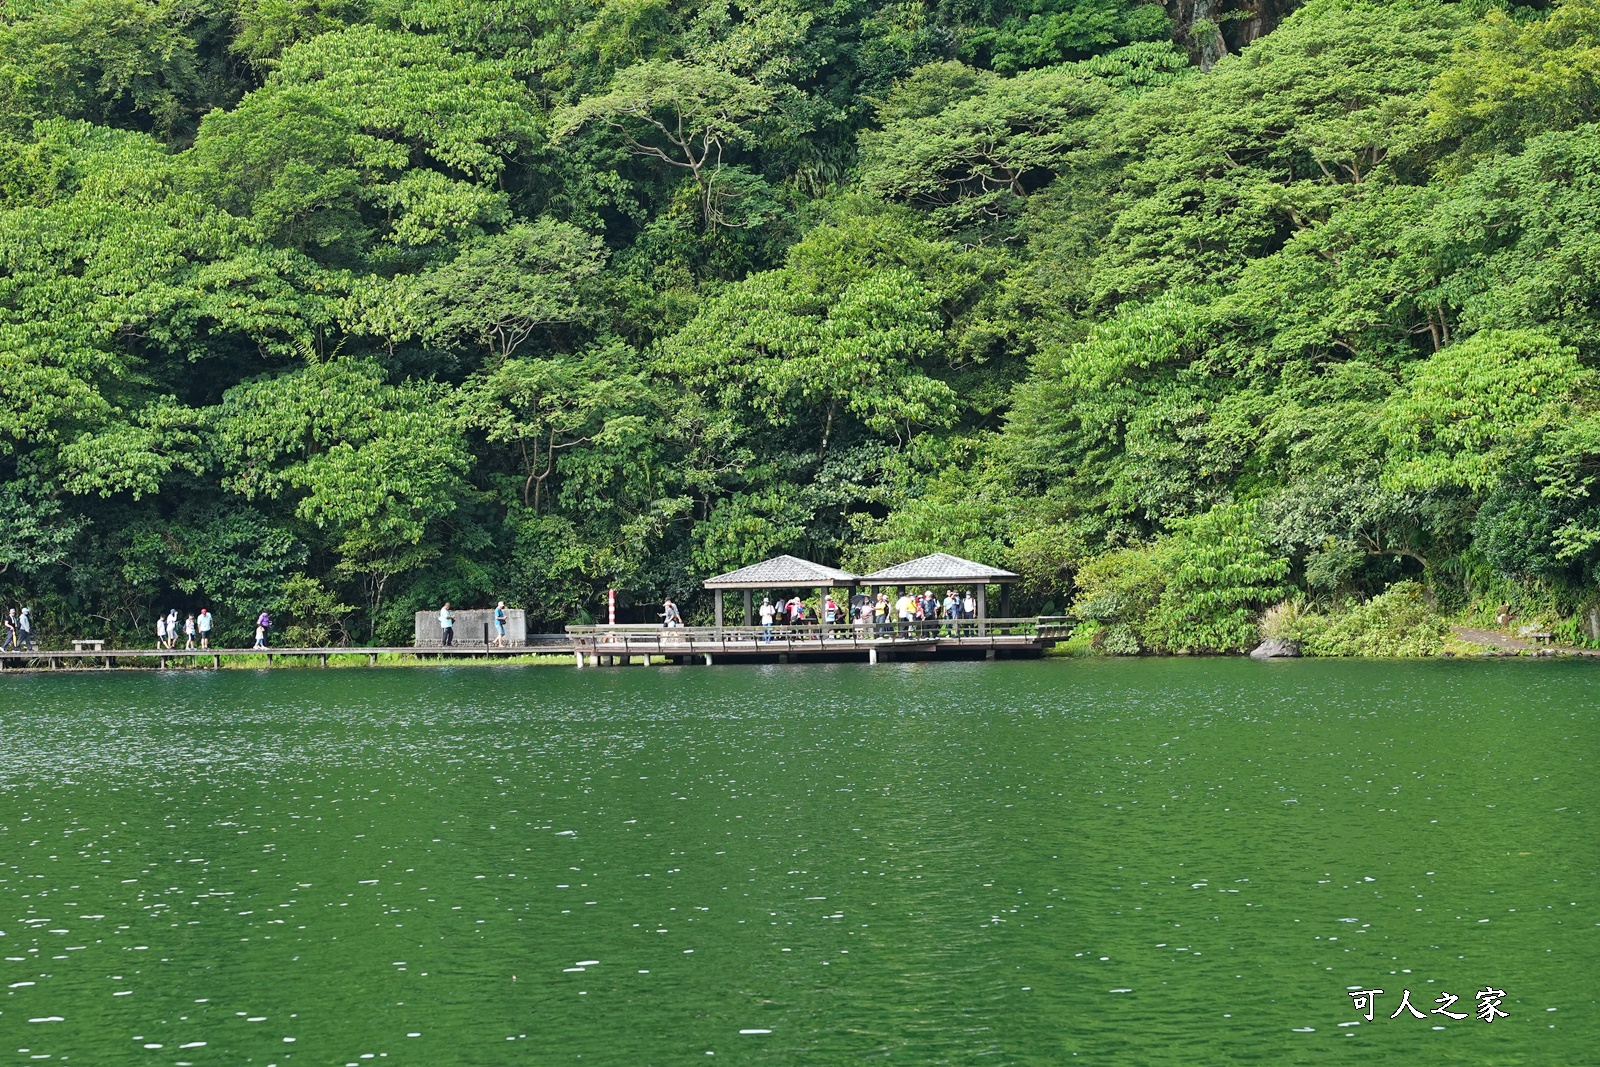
{"x": 1275, "y": 648}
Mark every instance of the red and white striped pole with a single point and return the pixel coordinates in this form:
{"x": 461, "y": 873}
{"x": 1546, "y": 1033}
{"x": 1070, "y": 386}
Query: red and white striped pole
{"x": 611, "y": 607}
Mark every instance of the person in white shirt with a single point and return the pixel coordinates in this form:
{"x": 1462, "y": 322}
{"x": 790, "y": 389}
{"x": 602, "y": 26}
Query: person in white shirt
{"x": 447, "y": 626}
{"x": 767, "y": 613}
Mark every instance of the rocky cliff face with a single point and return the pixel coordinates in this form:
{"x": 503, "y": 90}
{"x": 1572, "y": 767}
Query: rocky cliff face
{"x": 1211, "y": 29}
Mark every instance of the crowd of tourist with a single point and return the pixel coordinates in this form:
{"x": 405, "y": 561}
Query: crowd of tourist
{"x": 909, "y": 614}
{"x": 193, "y": 627}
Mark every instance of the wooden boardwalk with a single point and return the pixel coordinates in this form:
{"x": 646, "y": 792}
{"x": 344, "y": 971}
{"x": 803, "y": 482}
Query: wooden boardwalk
{"x": 596, "y": 646}
{"x": 216, "y": 658}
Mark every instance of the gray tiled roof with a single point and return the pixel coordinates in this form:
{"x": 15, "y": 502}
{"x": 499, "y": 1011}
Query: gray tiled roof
{"x": 938, "y": 567}
{"x": 781, "y": 572}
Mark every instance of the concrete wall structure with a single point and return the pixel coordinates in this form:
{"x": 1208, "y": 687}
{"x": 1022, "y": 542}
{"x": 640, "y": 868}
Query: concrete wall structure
{"x": 471, "y": 625}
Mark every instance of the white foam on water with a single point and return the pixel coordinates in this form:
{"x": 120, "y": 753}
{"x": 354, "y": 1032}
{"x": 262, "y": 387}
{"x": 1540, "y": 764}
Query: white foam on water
{"x": 755, "y": 1031}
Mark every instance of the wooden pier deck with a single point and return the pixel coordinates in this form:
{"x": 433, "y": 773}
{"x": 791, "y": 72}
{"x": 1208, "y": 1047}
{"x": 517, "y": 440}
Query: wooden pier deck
{"x": 966, "y": 639}
{"x": 596, "y": 646}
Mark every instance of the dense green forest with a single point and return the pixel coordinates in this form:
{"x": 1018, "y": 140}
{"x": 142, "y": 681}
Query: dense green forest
{"x": 346, "y": 307}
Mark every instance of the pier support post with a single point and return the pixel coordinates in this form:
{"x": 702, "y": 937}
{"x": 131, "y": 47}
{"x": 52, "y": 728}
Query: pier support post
{"x": 216, "y": 663}
{"x": 578, "y": 655}
{"x": 988, "y": 654}
{"x": 162, "y": 661}
{"x": 649, "y": 660}
{"x": 372, "y": 659}
{"x": 323, "y": 658}
{"x": 708, "y": 659}
{"x": 872, "y": 655}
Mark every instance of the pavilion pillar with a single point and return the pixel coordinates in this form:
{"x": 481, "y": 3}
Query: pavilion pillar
{"x": 822, "y": 612}
{"x": 1005, "y": 601}
{"x": 983, "y": 611}
{"x": 749, "y": 615}
{"x": 719, "y": 609}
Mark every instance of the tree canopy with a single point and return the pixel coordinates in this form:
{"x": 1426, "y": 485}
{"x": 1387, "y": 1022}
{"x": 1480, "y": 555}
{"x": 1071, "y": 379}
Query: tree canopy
{"x": 345, "y": 307}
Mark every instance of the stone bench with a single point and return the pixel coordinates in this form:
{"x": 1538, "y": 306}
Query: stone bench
{"x": 88, "y": 644}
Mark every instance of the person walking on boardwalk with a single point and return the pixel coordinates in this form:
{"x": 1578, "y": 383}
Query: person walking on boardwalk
{"x": 447, "y": 626}
{"x": 172, "y": 628}
{"x": 500, "y": 624}
{"x": 203, "y": 624}
{"x": 11, "y": 631}
{"x": 263, "y": 624}
{"x": 188, "y": 634}
{"x": 161, "y": 631}
{"x": 25, "y": 630}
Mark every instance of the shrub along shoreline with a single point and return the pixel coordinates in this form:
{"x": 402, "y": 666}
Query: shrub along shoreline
{"x": 1403, "y": 622}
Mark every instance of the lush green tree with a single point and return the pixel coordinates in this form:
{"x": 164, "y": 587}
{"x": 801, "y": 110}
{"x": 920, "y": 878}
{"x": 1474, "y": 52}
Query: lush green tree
{"x": 1469, "y": 408}
{"x": 1221, "y": 573}
{"x": 119, "y": 62}
{"x": 690, "y": 117}
{"x": 970, "y": 145}
{"x": 1225, "y": 168}
{"x": 1518, "y": 77}
{"x": 1034, "y": 33}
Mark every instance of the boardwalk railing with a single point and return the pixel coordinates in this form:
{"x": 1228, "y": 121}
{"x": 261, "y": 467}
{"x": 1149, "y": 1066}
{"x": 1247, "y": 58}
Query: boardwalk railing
{"x": 663, "y": 640}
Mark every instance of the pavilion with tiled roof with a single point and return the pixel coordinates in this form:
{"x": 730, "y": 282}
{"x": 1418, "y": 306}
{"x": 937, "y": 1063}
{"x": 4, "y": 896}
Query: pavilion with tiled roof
{"x": 779, "y": 572}
{"x": 941, "y": 569}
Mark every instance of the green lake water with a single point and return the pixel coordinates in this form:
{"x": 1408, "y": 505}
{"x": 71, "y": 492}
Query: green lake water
{"x": 1136, "y": 862}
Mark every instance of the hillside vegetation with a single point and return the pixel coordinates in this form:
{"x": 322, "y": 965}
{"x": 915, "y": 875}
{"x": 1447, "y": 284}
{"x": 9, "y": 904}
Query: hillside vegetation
{"x": 345, "y": 307}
